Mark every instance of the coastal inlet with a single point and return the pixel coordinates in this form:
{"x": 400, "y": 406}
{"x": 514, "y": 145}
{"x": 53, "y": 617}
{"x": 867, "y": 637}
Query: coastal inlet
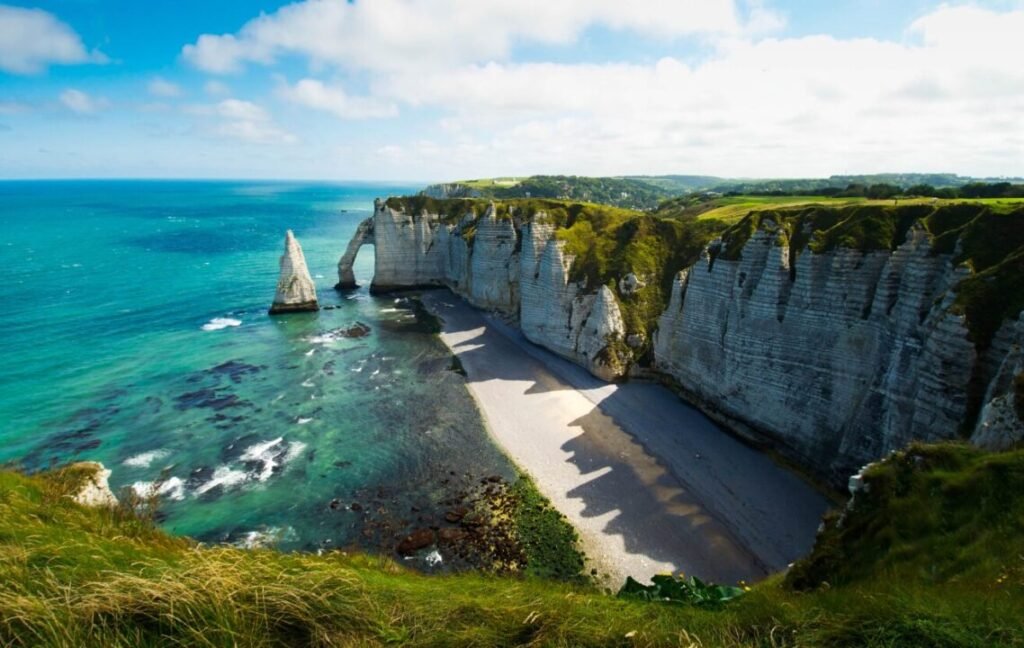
{"x": 147, "y": 346}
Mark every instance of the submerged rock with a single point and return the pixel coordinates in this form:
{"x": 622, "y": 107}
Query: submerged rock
{"x": 415, "y": 541}
{"x": 295, "y": 289}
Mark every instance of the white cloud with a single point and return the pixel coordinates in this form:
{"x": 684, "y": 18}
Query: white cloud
{"x": 398, "y": 34}
{"x": 216, "y": 88}
{"x": 314, "y": 94}
{"x": 773, "y": 106}
{"x": 245, "y": 121}
{"x": 81, "y": 103}
{"x": 160, "y": 87}
{"x": 33, "y": 39}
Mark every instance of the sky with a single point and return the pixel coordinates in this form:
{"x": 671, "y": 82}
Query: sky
{"x": 432, "y": 90}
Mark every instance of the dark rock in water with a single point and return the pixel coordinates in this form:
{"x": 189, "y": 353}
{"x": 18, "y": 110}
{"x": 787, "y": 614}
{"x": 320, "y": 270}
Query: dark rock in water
{"x": 357, "y": 330}
{"x": 328, "y": 367}
{"x": 88, "y": 445}
{"x": 342, "y": 464}
{"x": 356, "y": 506}
{"x": 209, "y": 398}
{"x": 235, "y": 370}
{"x": 335, "y": 504}
{"x": 198, "y": 477}
{"x": 415, "y": 541}
{"x": 236, "y": 448}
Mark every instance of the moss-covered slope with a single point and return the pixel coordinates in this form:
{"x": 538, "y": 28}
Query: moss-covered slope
{"x": 931, "y": 555}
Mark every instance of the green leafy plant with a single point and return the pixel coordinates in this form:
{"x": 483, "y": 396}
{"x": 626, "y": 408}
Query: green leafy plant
{"x": 686, "y": 591}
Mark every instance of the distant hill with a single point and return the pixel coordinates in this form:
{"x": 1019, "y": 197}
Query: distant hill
{"x": 649, "y": 192}
{"x": 619, "y": 192}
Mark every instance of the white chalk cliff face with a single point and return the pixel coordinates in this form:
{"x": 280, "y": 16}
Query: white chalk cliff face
{"x": 497, "y": 264}
{"x": 295, "y": 289}
{"x": 839, "y": 360}
{"x": 834, "y": 361}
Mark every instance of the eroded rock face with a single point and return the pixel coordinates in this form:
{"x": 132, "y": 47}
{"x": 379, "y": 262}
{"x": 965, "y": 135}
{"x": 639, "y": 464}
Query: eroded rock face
{"x": 295, "y": 289}
{"x": 840, "y": 359}
{"x": 1000, "y": 425}
{"x": 498, "y": 265}
{"x": 836, "y": 358}
{"x": 95, "y": 491}
{"x": 363, "y": 235}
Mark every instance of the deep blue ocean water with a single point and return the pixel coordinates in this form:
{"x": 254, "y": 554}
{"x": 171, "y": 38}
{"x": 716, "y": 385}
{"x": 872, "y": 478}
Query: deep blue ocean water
{"x": 135, "y": 333}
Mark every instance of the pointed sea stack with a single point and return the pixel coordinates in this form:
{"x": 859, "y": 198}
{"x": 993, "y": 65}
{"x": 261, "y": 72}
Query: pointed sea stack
{"x": 295, "y": 289}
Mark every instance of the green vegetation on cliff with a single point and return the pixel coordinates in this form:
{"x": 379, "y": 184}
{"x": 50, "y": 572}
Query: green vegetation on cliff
{"x": 608, "y": 242}
{"x": 932, "y": 554}
{"x": 985, "y": 236}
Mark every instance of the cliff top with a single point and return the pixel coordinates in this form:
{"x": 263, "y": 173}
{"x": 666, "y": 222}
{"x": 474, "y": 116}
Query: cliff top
{"x": 929, "y": 555}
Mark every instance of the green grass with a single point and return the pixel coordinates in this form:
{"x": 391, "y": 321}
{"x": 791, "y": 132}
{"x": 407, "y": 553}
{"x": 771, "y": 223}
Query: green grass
{"x": 931, "y": 555}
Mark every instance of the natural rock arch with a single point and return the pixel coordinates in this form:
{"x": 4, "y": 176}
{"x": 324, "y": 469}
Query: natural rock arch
{"x": 363, "y": 236}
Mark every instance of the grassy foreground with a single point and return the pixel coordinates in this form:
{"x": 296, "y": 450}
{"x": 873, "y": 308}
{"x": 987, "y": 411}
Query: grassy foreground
{"x": 931, "y": 555}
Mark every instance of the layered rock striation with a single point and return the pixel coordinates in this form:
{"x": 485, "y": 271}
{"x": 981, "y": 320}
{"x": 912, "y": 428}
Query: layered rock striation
{"x": 515, "y": 267}
{"x": 295, "y": 289}
{"x": 837, "y": 356}
{"x": 835, "y": 337}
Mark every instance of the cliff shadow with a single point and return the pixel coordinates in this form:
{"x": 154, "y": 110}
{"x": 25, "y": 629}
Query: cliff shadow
{"x": 551, "y": 413}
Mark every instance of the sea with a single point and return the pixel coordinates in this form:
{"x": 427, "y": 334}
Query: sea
{"x": 135, "y": 333}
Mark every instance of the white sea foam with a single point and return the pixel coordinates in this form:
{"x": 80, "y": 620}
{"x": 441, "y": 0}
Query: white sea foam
{"x": 434, "y": 558}
{"x": 144, "y": 459}
{"x": 308, "y": 383}
{"x": 303, "y": 420}
{"x": 223, "y": 476}
{"x": 310, "y": 352}
{"x": 271, "y": 454}
{"x": 218, "y": 323}
{"x": 266, "y": 538}
{"x": 172, "y": 488}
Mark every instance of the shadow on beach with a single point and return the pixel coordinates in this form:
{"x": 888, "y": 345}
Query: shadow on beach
{"x": 649, "y": 470}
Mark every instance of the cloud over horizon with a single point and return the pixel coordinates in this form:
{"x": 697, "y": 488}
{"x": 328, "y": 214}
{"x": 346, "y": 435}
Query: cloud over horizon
{"x": 435, "y": 89}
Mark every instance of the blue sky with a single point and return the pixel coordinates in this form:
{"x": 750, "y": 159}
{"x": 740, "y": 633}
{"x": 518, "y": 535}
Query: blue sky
{"x": 443, "y": 89}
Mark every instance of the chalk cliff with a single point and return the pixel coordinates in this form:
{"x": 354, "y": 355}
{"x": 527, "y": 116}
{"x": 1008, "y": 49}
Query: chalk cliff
{"x": 812, "y": 334}
{"x": 295, "y": 289}
{"x": 496, "y": 262}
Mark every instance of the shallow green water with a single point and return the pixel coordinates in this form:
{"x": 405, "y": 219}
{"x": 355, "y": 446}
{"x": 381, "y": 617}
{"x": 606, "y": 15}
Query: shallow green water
{"x": 135, "y": 333}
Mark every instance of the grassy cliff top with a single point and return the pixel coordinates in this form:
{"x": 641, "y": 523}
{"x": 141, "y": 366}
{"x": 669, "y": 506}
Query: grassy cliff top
{"x": 986, "y": 235}
{"x": 932, "y": 555}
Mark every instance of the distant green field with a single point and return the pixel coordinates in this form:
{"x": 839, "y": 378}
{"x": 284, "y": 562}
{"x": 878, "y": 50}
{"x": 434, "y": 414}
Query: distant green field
{"x": 487, "y": 183}
{"x": 732, "y": 209}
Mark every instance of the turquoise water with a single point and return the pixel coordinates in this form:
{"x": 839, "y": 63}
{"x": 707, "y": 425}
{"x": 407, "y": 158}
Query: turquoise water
{"x": 135, "y": 333}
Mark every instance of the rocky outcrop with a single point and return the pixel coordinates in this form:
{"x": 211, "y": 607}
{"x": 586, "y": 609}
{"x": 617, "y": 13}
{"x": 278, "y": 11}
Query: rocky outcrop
{"x": 363, "y": 236}
{"x": 295, "y": 289}
{"x": 517, "y": 269}
{"x": 838, "y": 359}
{"x": 95, "y": 489}
{"x": 1001, "y": 423}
